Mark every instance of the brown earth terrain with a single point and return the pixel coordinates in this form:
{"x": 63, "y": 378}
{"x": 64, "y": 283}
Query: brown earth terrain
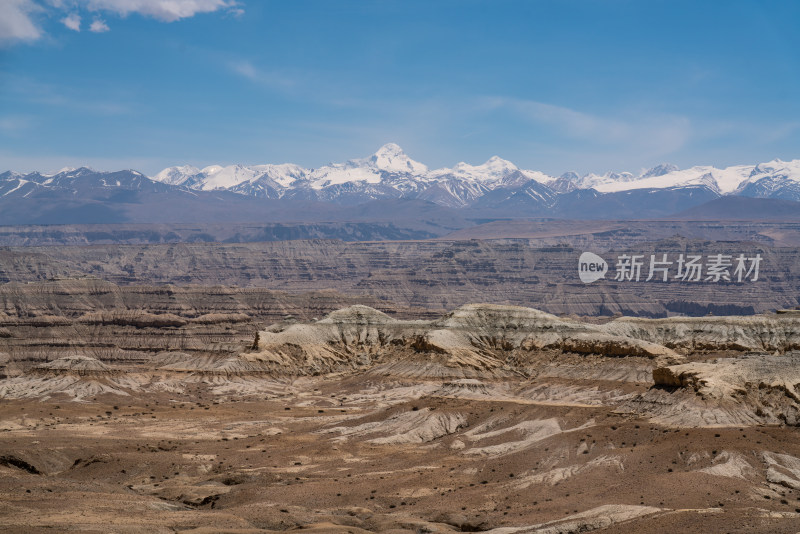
{"x": 334, "y": 386}
{"x": 487, "y": 418}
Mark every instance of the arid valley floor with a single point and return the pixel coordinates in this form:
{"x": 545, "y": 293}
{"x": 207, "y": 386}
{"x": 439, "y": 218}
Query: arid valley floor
{"x": 146, "y": 405}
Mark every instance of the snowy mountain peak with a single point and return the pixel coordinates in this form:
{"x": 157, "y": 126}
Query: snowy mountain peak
{"x": 77, "y": 171}
{"x": 494, "y": 168}
{"x": 660, "y": 170}
{"x": 390, "y": 157}
{"x": 80, "y": 171}
{"x": 620, "y": 176}
{"x": 776, "y": 166}
{"x": 499, "y": 164}
{"x": 389, "y": 149}
{"x": 211, "y": 169}
{"x": 63, "y": 170}
{"x": 176, "y": 175}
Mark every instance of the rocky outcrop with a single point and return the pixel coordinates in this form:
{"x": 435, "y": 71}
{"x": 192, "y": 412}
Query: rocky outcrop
{"x": 8, "y": 368}
{"x": 749, "y": 389}
{"x": 138, "y": 319}
{"x": 770, "y": 333}
{"x": 731, "y": 377}
{"x": 487, "y": 339}
{"x": 79, "y": 365}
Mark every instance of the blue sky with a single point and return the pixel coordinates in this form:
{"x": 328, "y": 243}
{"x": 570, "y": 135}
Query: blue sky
{"x": 550, "y": 85}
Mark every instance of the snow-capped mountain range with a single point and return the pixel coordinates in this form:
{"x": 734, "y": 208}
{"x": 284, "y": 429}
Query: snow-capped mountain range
{"x": 390, "y": 173}
{"x": 495, "y": 189}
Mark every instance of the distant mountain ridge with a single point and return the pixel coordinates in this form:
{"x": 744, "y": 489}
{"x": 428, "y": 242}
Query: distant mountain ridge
{"x": 401, "y": 186}
{"x": 391, "y": 173}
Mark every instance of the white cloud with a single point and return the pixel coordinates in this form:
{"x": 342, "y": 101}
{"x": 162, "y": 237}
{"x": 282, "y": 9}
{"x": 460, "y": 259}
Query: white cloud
{"x": 99, "y": 26}
{"x": 16, "y": 23}
{"x": 72, "y": 21}
{"x": 164, "y": 10}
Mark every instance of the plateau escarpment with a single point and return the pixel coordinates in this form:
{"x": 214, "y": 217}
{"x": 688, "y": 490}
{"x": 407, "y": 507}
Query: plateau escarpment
{"x": 434, "y": 275}
{"x": 380, "y": 221}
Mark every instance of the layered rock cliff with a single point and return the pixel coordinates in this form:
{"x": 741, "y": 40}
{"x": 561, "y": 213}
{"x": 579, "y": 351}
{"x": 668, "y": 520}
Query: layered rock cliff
{"x": 435, "y": 275}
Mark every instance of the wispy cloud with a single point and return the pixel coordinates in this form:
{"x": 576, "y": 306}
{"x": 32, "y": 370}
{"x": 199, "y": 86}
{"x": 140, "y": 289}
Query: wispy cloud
{"x": 246, "y": 69}
{"x": 163, "y": 10}
{"x": 235, "y": 11}
{"x": 23, "y": 89}
{"x": 14, "y": 124}
{"x": 652, "y": 134}
{"x": 748, "y": 131}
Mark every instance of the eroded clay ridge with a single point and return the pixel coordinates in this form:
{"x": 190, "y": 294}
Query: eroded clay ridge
{"x": 700, "y": 372}
{"x": 495, "y": 339}
{"x": 474, "y": 340}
